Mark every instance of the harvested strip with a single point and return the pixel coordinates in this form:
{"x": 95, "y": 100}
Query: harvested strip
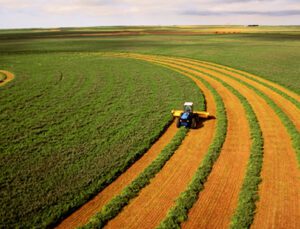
{"x": 218, "y": 200}
{"x": 111, "y": 209}
{"x": 282, "y": 156}
{"x": 151, "y": 206}
{"x": 291, "y": 128}
{"x": 248, "y": 196}
{"x": 8, "y": 77}
{"x": 83, "y": 214}
{"x": 280, "y": 189}
{"x": 261, "y": 80}
{"x": 286, "y": 105}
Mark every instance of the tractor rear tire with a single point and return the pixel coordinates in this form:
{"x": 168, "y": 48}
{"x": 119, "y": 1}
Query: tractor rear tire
{"x": 194, "y": 123}
{"x": 178, "y": 124}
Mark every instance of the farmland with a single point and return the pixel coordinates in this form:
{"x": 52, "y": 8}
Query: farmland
{"x": 87, "y": 137}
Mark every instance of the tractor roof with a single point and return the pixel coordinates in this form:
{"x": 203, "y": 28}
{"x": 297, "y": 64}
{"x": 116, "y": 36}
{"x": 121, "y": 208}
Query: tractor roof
{"x": 188, "y": 104}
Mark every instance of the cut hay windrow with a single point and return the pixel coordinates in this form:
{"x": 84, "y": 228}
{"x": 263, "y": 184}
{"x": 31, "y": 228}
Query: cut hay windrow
{"x": 289, "y": 125}
{"x": 259, "y": 80}
{"x": 249, "y": 192}
{"x": 256, "y": 79}
{"x": 111, "y": 209}
{"x": 245, "y": 211}
{"x": 178, "y": 213}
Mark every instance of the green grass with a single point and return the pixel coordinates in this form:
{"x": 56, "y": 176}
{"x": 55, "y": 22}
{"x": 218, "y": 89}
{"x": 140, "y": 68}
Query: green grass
{"x": 56, "y": 149}
{"x": 70, "y": 124}
{"x": 117, "y": 203}
{"x": 271, "y": 52}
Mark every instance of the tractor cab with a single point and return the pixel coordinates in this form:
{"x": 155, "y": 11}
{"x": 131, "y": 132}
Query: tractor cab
{"x": 188, "y": 107}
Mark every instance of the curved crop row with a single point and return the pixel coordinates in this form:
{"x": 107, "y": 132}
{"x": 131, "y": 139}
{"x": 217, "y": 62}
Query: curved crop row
{"x": 111, "y": 209}
{"x": 292, "y": 130}
{"x": 245, "y": 211}
{"x": 178, "y": 213}
{"x": 289, "y": 125}
{"x": 278, "y": 91}
{"x": 74, "y": 147}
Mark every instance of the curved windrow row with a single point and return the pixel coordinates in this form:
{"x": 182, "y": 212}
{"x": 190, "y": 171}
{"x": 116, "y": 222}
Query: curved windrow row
{"x": 251, "y": 186}
{"x": 179, "y": 212}
{"x": 228, "y": 186}
{"x": 294, "y": 134}
{"x": 149, "y": 208}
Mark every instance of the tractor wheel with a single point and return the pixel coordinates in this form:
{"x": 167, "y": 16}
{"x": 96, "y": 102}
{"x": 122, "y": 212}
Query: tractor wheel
{"x": 178, "y": 123}
{"x": 194, "y": 123}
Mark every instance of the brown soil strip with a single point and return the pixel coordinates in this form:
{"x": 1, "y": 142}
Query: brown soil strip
{"x": 9, "y": 77}
{"x": 218, "y": 200}
{"x": 289, "y": 108}
{"x": 83, "y": 214}
{"x": 153, "y": 202}
{"x": 283, "y": 89}
{"x": 280, "y": 189}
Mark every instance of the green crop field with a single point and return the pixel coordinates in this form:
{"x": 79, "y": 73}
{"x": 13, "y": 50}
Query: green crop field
{"x": 71, "y": 123}
{"x": 75, "y": 117}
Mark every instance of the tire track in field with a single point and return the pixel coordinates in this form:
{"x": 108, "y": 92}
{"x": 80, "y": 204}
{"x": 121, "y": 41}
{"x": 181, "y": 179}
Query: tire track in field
{"x": 153, "y": 202}
{"x": 83, "y": 214}
{"x": 9, "y": 77}
{"x": 279, "y": 191}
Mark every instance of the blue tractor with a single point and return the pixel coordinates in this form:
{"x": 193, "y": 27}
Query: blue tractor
{"x": 187, "y": 117}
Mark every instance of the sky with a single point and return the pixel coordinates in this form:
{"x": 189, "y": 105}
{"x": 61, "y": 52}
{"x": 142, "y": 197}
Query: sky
{"x": 75, "y": 13}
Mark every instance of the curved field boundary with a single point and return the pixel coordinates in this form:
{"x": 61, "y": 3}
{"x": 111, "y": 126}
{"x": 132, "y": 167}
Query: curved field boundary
{"x": 179, "y": 212}
{"x": 111, "y": 209}
{"x": 211, "y": 157}
{"x": 289, "y": 107}
{"x": 268, "y": 130}
{"x": 288, "y": 123}
{"x": 8, "y": 77}
{"x": 287, "y": 94}
{"x": 273, "y": 149}
{"x": 83, "y": 214}
{"x": 152, "y": 204}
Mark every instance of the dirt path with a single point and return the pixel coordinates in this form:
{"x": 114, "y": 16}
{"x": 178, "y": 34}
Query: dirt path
{"x": 153, "y": 202}
{"x": 9, "y": 77}
{"x": 83, "y": 214}
{"x": 280, "y": 189}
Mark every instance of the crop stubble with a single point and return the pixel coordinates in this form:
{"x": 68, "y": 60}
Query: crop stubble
{"x": 280, "y": 189}
{"x": 149, "y": 208}
{"x": 218, "y": 199}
